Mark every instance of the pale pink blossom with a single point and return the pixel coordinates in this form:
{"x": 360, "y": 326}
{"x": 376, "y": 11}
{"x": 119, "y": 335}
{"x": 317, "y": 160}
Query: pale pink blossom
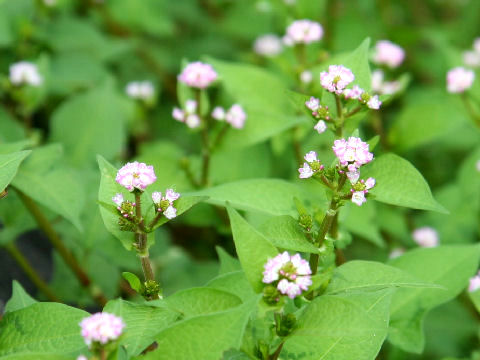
{"x": 382, "y": 87}
{"x": 426, "y": 237}
{"x": 198, "y": 75}
{"x": 136, "y": 175}
{"x": 388, "y": 53}
{"x": 25, "y": 73}
{"x": 395, "y": 253}
{"x": 118, "y": 199}
{"x": 305, "y": 171}
{"x": 190, "y": 106}
{"x": 370, "y": 183}
{"x": 170, "y": 212}
{"x": 178, "y": 114}
{"x": 352, "y": 151}
{"x": 353, "y": 176}
{"x": 101, "y": 328}
{"x": 313, "y": 103}
{"x": 236, "y": 116}
{"x": 477, "y": 165}
{"x": 218, "y": 113}
{"x": 82, "y": 357}
{"x": 353, "y": 93}
{"x": 306, "y": 77}
{"x": 358, "y": 198}
{"x": 157, "y": 197}
{"x": 471, "y": 58}
{"x": 336, "y": 79}
{"x": 142, "y": 90}
{"x": 165, "y": 204}
{"x": 303, "y": 32}
{"x": 311, "y": 156}
{"x": 374, "y": 102}
{"x": 268, "y": 45}
{"x": 292, "y": 273}
{"x": 474, "y": 283}
{"x": 459, "y": 79}
{"x": 321, "y": 126}
{"x": 192, "y": 121}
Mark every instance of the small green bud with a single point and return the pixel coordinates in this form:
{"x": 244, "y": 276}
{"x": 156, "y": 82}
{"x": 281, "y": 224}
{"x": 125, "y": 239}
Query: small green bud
{"x": 306, "y": 221}
{"x": 359, "y": 186}
{"x": 151, "y": 289}
{"x": 126, "y": 225}
{"x": 365, "y": 96}
{"x": 164, "y": 204}
{"x": 271, "y": 295}
{"x": 287, "y": 324}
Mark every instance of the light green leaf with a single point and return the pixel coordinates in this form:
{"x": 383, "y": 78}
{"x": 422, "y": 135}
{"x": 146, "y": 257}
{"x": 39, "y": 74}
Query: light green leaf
{"x": 235, "y": 283}
{"x": 133, "y": 281}
{"x": 285, "y": 233}
{"x": 359, "y": 275}
{"x": 253, "y": 249}
{"x": 398, "y": 182}
{"x": 227, "y": 262}
{"x": 142, "y": 322}
{"x": 20, "y": 298}
{"x": 362, "y": 221}
{"x": 9, "y": 164}
{"x": 271, "y": 196}
{"x": 182, "y": 205}
{"x": 447, "y": 266}
{"x": 201, "y": 301}
{"x": 209, "y": 336}
{"x": 7, "y": 148}
{"x": 42, "y": 328}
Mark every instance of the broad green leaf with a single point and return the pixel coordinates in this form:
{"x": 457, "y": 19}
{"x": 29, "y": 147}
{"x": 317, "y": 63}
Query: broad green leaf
{"x": 335, "y": 327}
{"x": 10, "y": 128}
{"x": 447, "y": 266}
{"x": 474, "y": 296}
{"x": 201, "y": 301}
{"x": 7, "y": 148}
{"x": 253, "y": 249}
{"x": 285, "y": 233}
{"x": 469, "y": 180}
{"x": 398, "y": 182}
{"x": 235, "y": 283}
{"x": 204, "y": 337}
{"x": 133, "y": 281}
{"x": 228, "y": 263}
{"x": 91, "y": 123}
{"x": 20, "y": 298}
{"x": 42, "y": 328}
{"x": 360, "y": 275}
{"x": 9, "y": 164}
{"x": 271, "y": 196}
{"x": 182, "y": 205}
{"x": 362, "y": 221}
{"x": 36, "y": 356}
{"x": 142, "y": 322}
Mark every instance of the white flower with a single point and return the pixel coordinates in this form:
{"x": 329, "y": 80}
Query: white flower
{"x": 336, "y": 79}
{"x": 311, "y": 156}
{"x": 157, "y": 197}
{"x": 171, "y": 195}
{"x": 218, "y": 113}
{"x": 374, "y": 102}
{"x": 313, "y": 103}
{"x": 170, "y": 212}
{"x": 321, "y": 126}
{"x": 358, "y": 198}
{"x": 190, "y": 106}
{"x": 353, "y": 93}
{"x": 25, "y": 73}
{"x": 459, "y": 79}
{"x": 306, "y": 77}
{"x": 268, "y": 45}
{"x": 236, "y": 116}
{"x": 353, "y": 176}
{"x": 118, "y": 199}
{"x": 388, "y": 53}
{"x": 305, "y": 171}
{"x": 192, "y": 121}
{"x": 178, "y": 114}
{"x": 143, "y": 90}
{"x": 426, "y": 236}
{"x": 303, "y": 32}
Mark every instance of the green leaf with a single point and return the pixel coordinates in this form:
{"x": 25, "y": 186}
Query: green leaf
{"x": 11, "y": 147}
{"x": 285, "y": 233}
{"x": 359, "y": 275}
{"x": 475, "y": 297}
{"x": 20, "y": 298}
{"x": 271, "y": 196}
{"x": 133, "y": 281}
{"x": 335, "y": 327}
{"x": 398, "y": 182}
{"x": 235, "y": 283}
{"x": 43, "y": 328}
{"x": 253, "y": 249}
{"x": 204, "y": 337}
{"x": 142, "y": 322}
{"x": 182, "y": 205}
{"x": 9, "y": 164}
{"x": 447, "y": 266}
{"x": 227, "y": 262}
{"x": 362, "y": 221}
{"x": 201, "y": 301}
{"x": 91, "y": 123}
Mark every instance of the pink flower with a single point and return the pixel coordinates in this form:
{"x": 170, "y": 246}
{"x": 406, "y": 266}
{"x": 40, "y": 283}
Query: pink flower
{"x": 236, "y": 116}
{"x": 426, "y": 237}
{"x": 311, "y": 156}
{"x": 165, "y": 203}
{"x": 303, "y": 32}
{"x": 218, "y": 113}
{"x": 313, "y": 103}
{"x": 459, "y": 79}
{"x": 377, "y": 80}
{"x": 354, "y": 151}
{"x": 178, "y": 114}
{"x": 198, "y": 75}
{"x": 268, "y": 45}
{"x": 370, "y": 183}
{"x": 474, "y": 284}
{"x": 118, "y": 199}
{"x": 353, "y": 93}
{"x": 136, "y": 175}
{"x": 311, "y": 166}
{"x": 192, "y": 121}
{"x": 321, "y": 126}
{"x": 374, "y": 102}
{"x": 388, "y": 53}
{"x": 305, "y": 171}
{"x": 336, "y": 79}
{"x": 353, "y": 176}
{"x": 358, "y": 198}
{"x": 291, "y": 272}
{"x": 101, "y": 328}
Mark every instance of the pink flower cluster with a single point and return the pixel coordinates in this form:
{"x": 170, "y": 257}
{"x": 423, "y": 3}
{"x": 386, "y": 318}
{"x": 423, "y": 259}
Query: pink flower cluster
{"x": 352, "y": 152}
{"x": 336, "y": 79}
{"x": 426, "y": 237}
{"x": 290, "y": 273}
{"x": 135, "y": 175}
{"x": 198, "y": 75}
{"x": 474, "y": 284}
{"x": 303, "y": 32}
{"x": 357, "y": 93}
{"x": 388, "y": 53}
{"x": 165, "y": 203}
{"x": 235, "y": 116}
{"x": 360, "y": 188}
{"x": 311, "y": 166}
{"x": 459, "y": 79}
{"x": 318, "y": 111}
{"x": 188, "y": 116}
{"x": 472, "y": 57}
{"x": 101, "y": 328}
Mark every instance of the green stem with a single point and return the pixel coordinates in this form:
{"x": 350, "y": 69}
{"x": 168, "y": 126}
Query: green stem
{"x": 220, "y": 135}
{"x": 185, "y": 165}
{"x": 473, "y": 114}
{"x": 31, "y": 273}
{"x": 141, "y": 239}
{"x": 277, "y": 352}
{"x": 205, "y": 141}
{"x": 340, "y": 117}
{"x": 353, "y": 112}
{"x": 45, "y": 225}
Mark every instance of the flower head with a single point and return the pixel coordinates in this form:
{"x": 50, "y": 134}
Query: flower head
{"x": 313, "y": 103}
{"x": 236, "y": 116}
{"x": 218, "y": 113}
{"x": 136, "y": 175}
{"x": 198, "y": 75}
{"x": 311, "y": 166}
{"x": 25, "y": 73}
{"x": 268, "y": 45}
{"x": 321, "y": 126}
{"x": 353, "y": 93}
{"x": 303, "y": 32}
{"x": 165, "y": 203}
{"x": 306, "y": 77}
{"x": 118, "y": 199}
{"x": 352, "y": 151}
{"x": 101, "y": 328}
{"x": 358, "y": 198}
{"x": 426, "y": 237}
{"x": 388, "y": 53}
{"x": 336, "y": 79}
{"x": 374, "y": 102}
{"x": 143, "y": 90}
{"x": 188, "y": 116}
{"x": 474, "y": 283}
{"x": 459, "y": 79}
{"x": 290, "y": 273}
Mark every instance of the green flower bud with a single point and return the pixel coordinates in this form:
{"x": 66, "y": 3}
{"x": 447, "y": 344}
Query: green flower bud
{"x": 271, "y": 295}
